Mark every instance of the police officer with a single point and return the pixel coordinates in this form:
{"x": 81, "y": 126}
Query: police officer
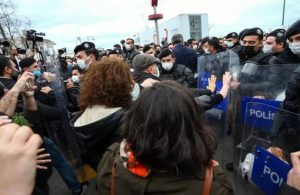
{"x": 252, "y": 41}
{"x": 232, "y": 42}
{"x": 276, "y": 45}
{"x": 86, "y": 53}
{"x": 288, "y": 137}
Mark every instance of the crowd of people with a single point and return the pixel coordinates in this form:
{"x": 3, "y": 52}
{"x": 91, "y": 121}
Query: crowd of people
{"x": 136, "y": 113}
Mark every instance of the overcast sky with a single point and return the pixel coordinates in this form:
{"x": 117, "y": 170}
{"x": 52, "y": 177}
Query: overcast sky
{"x": 109, "y": 21}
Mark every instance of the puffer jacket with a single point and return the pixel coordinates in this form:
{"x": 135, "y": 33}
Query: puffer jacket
{"x": 96, "y": 129}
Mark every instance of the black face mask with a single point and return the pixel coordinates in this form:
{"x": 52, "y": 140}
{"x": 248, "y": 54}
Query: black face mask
{"x": 248, "y": 51}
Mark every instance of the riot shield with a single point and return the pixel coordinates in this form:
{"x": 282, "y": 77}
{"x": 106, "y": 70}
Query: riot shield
{"x": 65, "y": 137}
{"x": 258, "y": 123}
{"x": 264, "y": 159}
{"x": 217, "y": 64}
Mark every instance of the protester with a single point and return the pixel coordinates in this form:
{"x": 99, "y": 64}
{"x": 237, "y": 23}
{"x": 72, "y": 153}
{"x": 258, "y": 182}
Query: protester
{"x": 166, "y": 149}
{"x": 184, "y": 55}
{"x": 172, "y": 71}
{"x": 145, "y": 67}
{"x": 104, "y": 98}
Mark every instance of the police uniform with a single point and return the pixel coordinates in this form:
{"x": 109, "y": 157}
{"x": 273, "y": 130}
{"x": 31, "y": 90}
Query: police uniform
{"x": 237, "y": 46}
{"x": 286, "y": 56}
{"x": 259, "y": 57}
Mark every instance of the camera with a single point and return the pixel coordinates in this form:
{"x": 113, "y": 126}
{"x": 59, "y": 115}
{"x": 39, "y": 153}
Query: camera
{"x": 3, "y": 45}
{"x": 32, "y": 35}
{"x": 62, "y": 51}
{"x": 21, "y": 51}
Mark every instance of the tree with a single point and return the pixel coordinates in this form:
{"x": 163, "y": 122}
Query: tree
{"x": 10, "y": 26}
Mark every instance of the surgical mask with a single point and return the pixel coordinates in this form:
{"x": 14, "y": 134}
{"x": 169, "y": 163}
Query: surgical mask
{"x": 167, "y": 66}
{"x": 37, "y": 73}
{"x": 267, "y": 49}
{"x": 195, "y": 47}
{"x": 70, "y": 66}
{"x": 158, "y": 73}
{"x": 128, "y": 47}
{"x": 84, "y": 64}
{"x": 295, "y": 47}
{"x": 206, "y": 51}
{"x": 135, "y": 92}
{"x": 229, "y": 43}
{"x": 75, "y": 79}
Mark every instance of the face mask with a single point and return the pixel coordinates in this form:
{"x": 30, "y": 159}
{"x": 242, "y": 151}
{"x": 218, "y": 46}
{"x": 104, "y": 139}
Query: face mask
{"x": 229, "y": 43}
{"x": 206, "y": 51}
{"x": 267, "y": 49}
{"x": 135, "y": 92}
{"x": 195, "y": 47}
{"x": 70, "y": 66}
{"x": 84, "y": 64}
{"x": 295, "y": 47}
{"x": 158, "y": 73}
{"x": 75, "y": 79}
{"x": 248, "y": 51}
{"x": 128, "y": 47}
{"x": 37, "y": 73}
{"x": 167, "y": 66}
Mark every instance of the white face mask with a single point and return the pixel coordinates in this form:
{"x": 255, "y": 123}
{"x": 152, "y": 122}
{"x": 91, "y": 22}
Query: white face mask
{"x": 158, "y": 73}
{"x": 75, "y": 79}
{"x": 167, "y": 66}
{"x": 84, "y": 64}
{"x": 135, "y": 92}
{"x": 295, "y": 47}
{"x": 229, "y": 43}
{"x": 195, "y": 47}
{"x": 206, "y": 51}
{"x": 128, "y": 47}
{"x": 267, "y": 49}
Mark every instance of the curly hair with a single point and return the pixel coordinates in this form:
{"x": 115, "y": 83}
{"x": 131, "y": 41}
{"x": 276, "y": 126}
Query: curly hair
{"x": 107, "y": 82}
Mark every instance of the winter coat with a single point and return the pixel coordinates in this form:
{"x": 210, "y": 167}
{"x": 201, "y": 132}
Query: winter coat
{"x": 97, "y": 128}
{"x": 186, "y": 56}
{"x": 179, "y": 73}
{"x": 170, "y": 181}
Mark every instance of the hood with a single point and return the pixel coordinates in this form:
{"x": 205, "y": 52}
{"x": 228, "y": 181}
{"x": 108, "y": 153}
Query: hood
{"x": 93, "y": 114}
{"x": 97, "y": 127}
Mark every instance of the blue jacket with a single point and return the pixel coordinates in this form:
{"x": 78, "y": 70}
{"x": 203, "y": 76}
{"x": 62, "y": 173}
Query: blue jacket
{"x": 186, "y": 56}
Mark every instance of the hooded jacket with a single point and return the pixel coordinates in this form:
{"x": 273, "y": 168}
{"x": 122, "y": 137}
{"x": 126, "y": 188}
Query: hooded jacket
{"x": 97, "y": 128}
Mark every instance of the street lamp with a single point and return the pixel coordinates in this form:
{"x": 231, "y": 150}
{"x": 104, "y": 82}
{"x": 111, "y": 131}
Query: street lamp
{"x": 283, "y": 12}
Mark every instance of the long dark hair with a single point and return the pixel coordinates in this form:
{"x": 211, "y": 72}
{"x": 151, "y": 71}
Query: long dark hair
{"x": 164, "y": 128}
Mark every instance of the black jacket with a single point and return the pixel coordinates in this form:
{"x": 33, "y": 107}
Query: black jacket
{"x": 285, "y": 57}
{"x": 94, "y": 138}
{"x": 292, "y": 94}
{"x": 179, "y": 73}
{"x": 186, "y": 56}
{"x": 140, "y": 77}
{"x": 130, "y": 55}
{"x": 260, "y": 58}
